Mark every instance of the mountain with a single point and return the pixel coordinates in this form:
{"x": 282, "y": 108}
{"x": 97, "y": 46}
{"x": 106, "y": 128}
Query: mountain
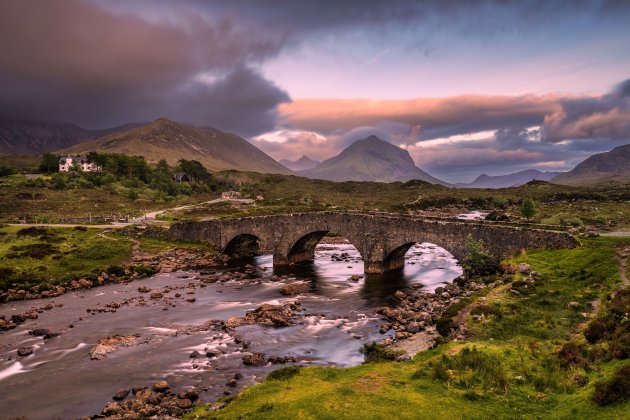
{"x": 370, "y": 159}
{"x": 22, "y": 137}
{"x": 608, "y": 166}
{"x": 301, "y": 164}
{"x": 510, "y": 180}
{"x": 166, "y": 139}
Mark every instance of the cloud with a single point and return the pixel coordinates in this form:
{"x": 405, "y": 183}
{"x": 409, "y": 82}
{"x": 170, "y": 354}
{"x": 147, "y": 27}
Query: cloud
{"x": 606, "y": 117}
{"x": 433, "y": 117}
{"x": 243, "y": 102}
{"x": 79, "y": 61}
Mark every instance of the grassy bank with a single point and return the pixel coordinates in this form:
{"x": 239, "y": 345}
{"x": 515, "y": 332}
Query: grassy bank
{"x": 513, "y": 367}
{"x": 603, "y": 206}
{"x": 49, "y": 257}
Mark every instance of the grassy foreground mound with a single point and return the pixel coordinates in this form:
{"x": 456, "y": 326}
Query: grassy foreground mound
{"x": 516, "y": 365}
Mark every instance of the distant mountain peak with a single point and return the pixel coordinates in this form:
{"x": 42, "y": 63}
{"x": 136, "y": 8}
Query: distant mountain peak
{"x": 509, "y": 180}
{"x": 371, "y": 159}
{"x": 302, "y": 164}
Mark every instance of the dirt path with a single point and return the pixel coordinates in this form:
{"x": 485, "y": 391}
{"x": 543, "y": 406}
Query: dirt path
{"x": 152, "y": 215}
{"x": 622, "y": 258}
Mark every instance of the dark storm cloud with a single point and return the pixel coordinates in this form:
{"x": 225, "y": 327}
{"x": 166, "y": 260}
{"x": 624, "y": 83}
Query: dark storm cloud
{"x": 242, "y": 102}
{"x": 78, "y": 61}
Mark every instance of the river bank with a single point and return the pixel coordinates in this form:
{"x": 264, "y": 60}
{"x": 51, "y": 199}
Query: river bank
{"x": 172, "y": 326}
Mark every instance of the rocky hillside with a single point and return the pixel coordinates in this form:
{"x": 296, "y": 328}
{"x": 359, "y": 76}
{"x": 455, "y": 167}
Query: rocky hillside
{"x": 166, "y": 139}
{"x": 370, "y": 159}
{"x": 609, "y": 166}
{"x": 21, "y": 137}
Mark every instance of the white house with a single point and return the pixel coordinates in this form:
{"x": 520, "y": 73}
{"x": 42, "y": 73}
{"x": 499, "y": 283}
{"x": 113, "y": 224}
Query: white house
{"x": 67, "y": 162}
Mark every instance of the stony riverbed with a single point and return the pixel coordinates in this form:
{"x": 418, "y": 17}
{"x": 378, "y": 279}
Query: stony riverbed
{"x": 193, "y": 329}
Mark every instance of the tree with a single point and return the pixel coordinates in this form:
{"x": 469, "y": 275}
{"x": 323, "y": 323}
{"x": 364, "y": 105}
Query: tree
{"x": 478, "y": 261}
{"x": 528, "y": 208}
{"x": 49, "y": 163}
{"x": 195, "y": 170}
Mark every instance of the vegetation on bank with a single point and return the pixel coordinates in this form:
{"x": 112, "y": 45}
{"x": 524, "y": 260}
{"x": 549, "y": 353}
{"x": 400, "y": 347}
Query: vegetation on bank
{"x": 517, "y": 364}
{"x": 39, "y": 258}
{"x": 128, "y": 185}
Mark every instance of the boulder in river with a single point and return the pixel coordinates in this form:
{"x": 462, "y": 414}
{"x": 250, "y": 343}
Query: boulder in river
{"x": 24, "y": 351}
{"x": 254, "y": 359}
{"x": 107, "y": 345}
{"x": 268, "y": 315}
{"x": 295, "y": 288}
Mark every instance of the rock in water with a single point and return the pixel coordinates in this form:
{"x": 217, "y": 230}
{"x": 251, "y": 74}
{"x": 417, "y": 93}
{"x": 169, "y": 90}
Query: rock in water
{"x": 254, "y": 359}
{"x": 121, "y": 395}
{"x": 24, "y": 351}
{"x": 107, "y": 345}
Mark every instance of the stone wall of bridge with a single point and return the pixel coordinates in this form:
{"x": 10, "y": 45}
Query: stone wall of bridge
{"x": 382, "y": 240}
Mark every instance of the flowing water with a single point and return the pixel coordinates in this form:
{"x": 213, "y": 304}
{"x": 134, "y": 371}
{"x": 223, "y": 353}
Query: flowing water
{"x": 59, "y": 379}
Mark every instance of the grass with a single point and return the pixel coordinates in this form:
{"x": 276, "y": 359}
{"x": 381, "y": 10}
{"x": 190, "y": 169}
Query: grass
{"x": 53, "y": 256}
{"x": 511, "y": 368}
{"x": 71, "y": 253}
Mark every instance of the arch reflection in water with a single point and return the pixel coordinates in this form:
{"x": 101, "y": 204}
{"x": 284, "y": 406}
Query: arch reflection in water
{"x": 335, "y": 263}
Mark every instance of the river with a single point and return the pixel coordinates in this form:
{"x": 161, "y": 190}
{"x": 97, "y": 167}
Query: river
{"x": 59, "y": 379}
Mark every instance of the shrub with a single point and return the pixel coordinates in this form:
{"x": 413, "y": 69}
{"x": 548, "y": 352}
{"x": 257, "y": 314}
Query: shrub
{"x": 116, "y": 270}
{"x": 144, "y": 270}
{"x": 37, "y": 251}
{"x": 596, "y": 331}
{"x": 571, "y": 355}
{"x": 32, "y": 231}
{"x": 614, "y": 390}
{"x": 284, "y": 373}
{"x": 375, "y": 352}
{"x": 444, "y": 326}
{"x": 478, "y": 261}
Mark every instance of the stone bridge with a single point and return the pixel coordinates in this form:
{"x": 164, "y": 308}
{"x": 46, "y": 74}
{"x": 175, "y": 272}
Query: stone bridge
{"x": 382, "y": 240}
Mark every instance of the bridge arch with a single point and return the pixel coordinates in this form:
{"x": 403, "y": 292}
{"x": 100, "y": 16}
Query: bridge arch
{"x": 304, "y": 248}
{"x": 396, "y": 258}
{"x": 242, "y": 245}
{"x": 301, "y": 245}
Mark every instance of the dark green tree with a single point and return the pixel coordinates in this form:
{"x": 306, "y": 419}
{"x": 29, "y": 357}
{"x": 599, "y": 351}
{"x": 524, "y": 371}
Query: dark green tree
{"x": 528, "y": 208}
{"x": 49, "y": 163}
{"x": 195, "y": 170}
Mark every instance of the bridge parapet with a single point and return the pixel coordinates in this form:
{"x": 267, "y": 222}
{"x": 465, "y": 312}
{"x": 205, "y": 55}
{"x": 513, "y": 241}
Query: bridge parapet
{"x": 382, "y": 240}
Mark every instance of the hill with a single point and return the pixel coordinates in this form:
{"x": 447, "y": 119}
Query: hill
{"x": 370, "y": 159}
{"x": 301, "y": 164}
{"x": 22, "y": 137}
{"x": 166, "y": 139}
{"x": 608, "y": 166}
{"x": 509, "y": 180}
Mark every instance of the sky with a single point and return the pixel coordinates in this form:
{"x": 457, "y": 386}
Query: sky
{"x": 467, "y": 87}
